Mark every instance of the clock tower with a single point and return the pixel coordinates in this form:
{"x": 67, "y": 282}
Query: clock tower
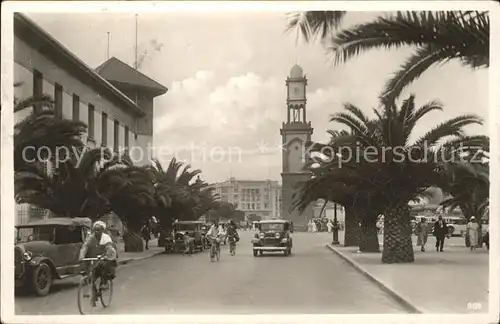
{"x": 296, "y": 133}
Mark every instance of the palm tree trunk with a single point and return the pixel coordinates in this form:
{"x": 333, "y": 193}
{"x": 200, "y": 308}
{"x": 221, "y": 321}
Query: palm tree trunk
{"x": 133, "y": 241}
{"x": 369, "y": 236}
{"x": 398, "y": 246}
{"x": 351, "y": 233}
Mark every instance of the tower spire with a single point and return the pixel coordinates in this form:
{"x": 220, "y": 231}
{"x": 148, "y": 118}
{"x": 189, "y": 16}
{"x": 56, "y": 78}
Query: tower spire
{"x": 135, "y": 62}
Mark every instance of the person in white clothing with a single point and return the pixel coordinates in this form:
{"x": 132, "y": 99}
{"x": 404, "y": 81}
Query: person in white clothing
{"x": 314, "y": 227}
{"x": 329, "y": 225}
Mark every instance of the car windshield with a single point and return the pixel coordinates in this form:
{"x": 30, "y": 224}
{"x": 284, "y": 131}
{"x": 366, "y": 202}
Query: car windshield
{"x": 42, "y": 233}
{"x": 186, "y": 227}
{"x": 272, "y": 226}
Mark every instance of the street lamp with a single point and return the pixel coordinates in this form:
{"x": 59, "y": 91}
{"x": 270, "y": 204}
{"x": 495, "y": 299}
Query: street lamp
{"x": 335, "y": 226}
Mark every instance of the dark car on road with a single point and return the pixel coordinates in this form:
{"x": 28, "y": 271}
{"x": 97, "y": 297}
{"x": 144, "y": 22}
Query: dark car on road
{"x": 48, "y": 249}
{"x": 273, "y": 236}
{"x": 192, "y": 229}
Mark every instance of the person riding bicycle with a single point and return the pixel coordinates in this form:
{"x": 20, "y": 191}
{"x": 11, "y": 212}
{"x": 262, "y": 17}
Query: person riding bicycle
{"x": 232, "y": 234}
{"x": 100, "y": 243}
{"x": 214, "y": 233}
{"x": 231, "y": 231}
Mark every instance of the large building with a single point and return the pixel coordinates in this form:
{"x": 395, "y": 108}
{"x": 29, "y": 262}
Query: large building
{"x": 296, "y": 132}
{"x": 114, "y": 100}
{"x": 255, "y": 198}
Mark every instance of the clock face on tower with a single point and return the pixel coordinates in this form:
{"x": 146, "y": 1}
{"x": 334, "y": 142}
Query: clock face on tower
{"x": 296, "y": 91}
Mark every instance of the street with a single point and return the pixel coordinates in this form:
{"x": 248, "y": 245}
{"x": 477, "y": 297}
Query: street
{"x": 312, "y": 280}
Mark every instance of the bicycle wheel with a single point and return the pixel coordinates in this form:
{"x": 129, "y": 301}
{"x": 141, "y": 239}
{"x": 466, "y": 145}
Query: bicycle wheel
{"x": 86, "y": 296}
{"x": 212, "y": 253}
{"x": 105, "y": 295}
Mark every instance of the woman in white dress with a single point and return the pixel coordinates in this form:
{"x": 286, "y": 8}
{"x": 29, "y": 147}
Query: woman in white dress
{"x": 329, "y": 225}
{"x": 309, "y": 226}
{"x": 473, "y": 232}
{"x": 314, "y": 227}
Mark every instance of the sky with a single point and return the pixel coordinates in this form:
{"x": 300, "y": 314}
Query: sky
{"x": 226, "y": 77}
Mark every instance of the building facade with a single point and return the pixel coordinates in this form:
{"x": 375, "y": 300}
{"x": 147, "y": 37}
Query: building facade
{"x": 254, "y": 198}
{"x": 296, "y": 133}
{"x": 115, "y": 101}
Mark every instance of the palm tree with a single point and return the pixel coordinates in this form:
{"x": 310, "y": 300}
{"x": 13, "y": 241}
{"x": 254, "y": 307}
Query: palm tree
{"x": 75, "y": 188}
{"x": 173, "y": 191}
{"x": 390, "y": 164}
{"x": 131, "y": 194}
{"x": 437, "y": 37}
{"x": 42, "y": 133}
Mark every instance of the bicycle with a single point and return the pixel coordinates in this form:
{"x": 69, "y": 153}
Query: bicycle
{"x": 89, "y": 283}
{"x": 232, "y": 245}
{"x": 215, "y": 250}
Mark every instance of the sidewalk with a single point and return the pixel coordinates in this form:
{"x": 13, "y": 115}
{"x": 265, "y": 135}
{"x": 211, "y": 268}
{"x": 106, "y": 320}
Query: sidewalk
{"x": 127, "y": 257}
{"x": 436, "y": 282}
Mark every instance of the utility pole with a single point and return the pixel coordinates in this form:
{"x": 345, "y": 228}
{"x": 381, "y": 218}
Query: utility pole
{"x": 107, "y": 53}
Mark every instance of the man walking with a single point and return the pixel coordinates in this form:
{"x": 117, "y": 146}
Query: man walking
{"x": 440, "y": 231}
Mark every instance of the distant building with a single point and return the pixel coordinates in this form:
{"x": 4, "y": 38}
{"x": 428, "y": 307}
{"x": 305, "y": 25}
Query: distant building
{"x": 115, "y": 100}
{"x": 253, "y": 197}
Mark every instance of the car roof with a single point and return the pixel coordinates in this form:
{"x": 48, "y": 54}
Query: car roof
{"x": 274, "y": 221}
{"x": 189, "y": 222}
{"x": 60, "y": 221}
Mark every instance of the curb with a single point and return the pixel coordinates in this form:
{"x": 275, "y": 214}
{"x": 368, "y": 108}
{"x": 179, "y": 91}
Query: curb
{"x": 130, "y": 260}
{"x": 403, "y": 301}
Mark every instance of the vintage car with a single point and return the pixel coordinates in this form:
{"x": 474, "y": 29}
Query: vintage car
{"x": 192, "y": 229}
{"x": 273, "y": 236}
{"x": 48, "y": 249}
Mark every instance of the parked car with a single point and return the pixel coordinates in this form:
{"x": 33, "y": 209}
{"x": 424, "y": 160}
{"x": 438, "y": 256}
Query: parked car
{"x": 193, "y": 229}
{"x": 48, "y": 249}
{"x": 273, "y": 236}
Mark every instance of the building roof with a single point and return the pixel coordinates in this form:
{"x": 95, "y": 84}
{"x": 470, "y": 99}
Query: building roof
{"x": 25, "y": 28}
{"x": 118, "y": 71}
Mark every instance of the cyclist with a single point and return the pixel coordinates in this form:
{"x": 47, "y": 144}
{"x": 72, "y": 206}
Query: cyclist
{"x": 214, "y": 233}
{"x": 100, "y": 243}
{"x": 231, "y": 233}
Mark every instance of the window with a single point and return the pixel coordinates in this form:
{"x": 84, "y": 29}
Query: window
{"x": 104, "y": 129}
{"x": 76, "y": 107}
{"x": 91, "y": 122}
{"x": 116, "y": 137}
{"x": 37, "y": 87}
{"x": 126, "y": 137}
{"x": 58, "y": 99}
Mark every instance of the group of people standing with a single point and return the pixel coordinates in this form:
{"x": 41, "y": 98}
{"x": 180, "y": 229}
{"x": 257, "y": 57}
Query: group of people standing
{"x": 441, "y": 232}
{"x": 319, "y": 226}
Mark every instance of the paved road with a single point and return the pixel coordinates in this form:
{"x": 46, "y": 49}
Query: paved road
{"x": 312, "y": 280}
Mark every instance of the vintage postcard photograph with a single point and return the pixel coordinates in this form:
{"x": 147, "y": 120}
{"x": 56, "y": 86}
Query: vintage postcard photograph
{"x": 259, "y": 162}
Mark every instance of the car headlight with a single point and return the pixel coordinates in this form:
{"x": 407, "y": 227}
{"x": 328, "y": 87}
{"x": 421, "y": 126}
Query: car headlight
{"x": 277, "y": 235}
{"x": 261, "y": 235}
{"x": 27, "y": 256}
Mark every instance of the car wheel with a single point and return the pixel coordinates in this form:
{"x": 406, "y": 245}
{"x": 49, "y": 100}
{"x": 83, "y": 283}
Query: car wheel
{"x": 255, "y": 253}
{"x": 41, "y": 279}
{"x": 285, "y": 252}
{"x": 451, "y": 229}
{"x": 289, "y": 251}
{"x": 261, "y": 252}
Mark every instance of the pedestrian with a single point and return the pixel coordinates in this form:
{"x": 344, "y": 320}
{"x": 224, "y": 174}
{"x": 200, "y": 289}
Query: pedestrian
{"x": 329, "y": 225}
{"x": 440, "y": 232}
{"x": 422, "y": 231}
{"x": 309, "y": 226}
{"x": 314, "y": 227}
{"x": 473, "y": 232}
{"x": 146, "y": 233}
